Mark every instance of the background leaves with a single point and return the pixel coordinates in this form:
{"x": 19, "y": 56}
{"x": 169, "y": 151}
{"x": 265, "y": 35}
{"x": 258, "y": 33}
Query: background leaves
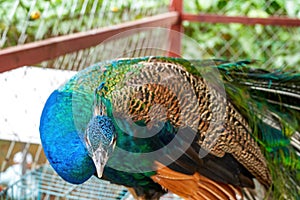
{"x": 273, "y": 45}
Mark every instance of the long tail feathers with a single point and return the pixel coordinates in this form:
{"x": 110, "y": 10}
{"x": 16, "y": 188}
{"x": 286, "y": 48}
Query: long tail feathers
{"x": 273, "y": 108}
{"x": 270, "y": 103}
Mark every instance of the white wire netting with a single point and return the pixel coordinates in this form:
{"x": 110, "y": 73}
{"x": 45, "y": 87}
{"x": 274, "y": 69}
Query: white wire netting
{"x": 44, "y": 183}
{"x": 272, "y": 46}
{"x": 24, "y": 21}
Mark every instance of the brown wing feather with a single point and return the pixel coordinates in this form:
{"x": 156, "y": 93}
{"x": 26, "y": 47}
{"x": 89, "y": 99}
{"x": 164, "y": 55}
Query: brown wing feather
{"x": 191, "y": 103}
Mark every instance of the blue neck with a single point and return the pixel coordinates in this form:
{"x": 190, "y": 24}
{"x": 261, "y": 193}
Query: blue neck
{"x": 61, "y": 142}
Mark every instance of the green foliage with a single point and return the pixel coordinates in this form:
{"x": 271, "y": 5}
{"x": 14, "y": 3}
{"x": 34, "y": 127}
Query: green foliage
{"x": 274, "y": 46}
{"x": 18, "y": 24}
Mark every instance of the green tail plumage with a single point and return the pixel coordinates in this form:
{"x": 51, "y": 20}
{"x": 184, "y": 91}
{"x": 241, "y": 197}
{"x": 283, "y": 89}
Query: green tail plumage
{"x": 270, "y": 103}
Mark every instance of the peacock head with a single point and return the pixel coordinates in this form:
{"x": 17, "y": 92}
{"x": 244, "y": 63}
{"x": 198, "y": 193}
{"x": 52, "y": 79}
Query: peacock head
{"x": 100, "y": 137}
{"x": 100, "y": 140}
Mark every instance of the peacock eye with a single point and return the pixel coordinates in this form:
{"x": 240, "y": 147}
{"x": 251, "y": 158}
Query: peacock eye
{"x": 113, "y": 141}
{"x": 88, "y": 146}
{"x": 90, "y": 153}
{"x": 87, "y": 141}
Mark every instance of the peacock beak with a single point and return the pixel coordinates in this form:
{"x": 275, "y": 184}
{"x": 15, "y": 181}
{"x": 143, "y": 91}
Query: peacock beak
{"x": 100, "y": 157}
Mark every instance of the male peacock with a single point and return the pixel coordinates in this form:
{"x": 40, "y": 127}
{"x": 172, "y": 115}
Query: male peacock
{"x": 207, "y": 129}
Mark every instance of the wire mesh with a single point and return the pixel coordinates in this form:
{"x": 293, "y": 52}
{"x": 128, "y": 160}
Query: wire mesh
{"x": 146, "y": 42}
{"x": 251, "y": 8}
{"x": 43, "y": 183}
{"x": 273, "y": 46}
{"x": 25, "y": 21}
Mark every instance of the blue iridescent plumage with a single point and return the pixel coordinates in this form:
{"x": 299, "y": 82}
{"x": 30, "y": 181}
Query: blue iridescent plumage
{"x": 69, "y": 159}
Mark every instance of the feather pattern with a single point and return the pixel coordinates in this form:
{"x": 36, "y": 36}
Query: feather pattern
{"x": 228, "y": 122}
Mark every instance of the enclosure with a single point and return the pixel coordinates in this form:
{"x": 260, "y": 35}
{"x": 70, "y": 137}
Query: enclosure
{"x": 43, "y": 44}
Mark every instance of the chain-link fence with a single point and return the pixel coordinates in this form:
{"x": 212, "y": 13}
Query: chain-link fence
{"x": 273, "y": 46}
{"x": 24, "y": 21}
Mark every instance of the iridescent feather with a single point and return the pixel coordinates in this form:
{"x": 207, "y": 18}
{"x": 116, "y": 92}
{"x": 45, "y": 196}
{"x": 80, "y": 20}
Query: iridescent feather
{"x": 229, "y": 124}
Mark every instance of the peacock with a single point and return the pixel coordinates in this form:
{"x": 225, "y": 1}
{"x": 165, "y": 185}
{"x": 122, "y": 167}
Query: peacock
{"x": 202, "y": 129}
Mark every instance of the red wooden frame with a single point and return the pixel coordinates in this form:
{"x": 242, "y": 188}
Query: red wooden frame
{"x": 210, "y": 18}
{"x": 36, "y": 52}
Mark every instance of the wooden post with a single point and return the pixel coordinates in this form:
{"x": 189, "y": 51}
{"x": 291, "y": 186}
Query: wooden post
{"x": 176, "y": 29}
